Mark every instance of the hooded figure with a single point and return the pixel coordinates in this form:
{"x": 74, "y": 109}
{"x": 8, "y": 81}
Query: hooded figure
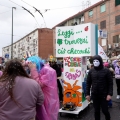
{"x": 47, "y": 79}
{"x": 100, "y": 79}
{"x": 97, "y": 62}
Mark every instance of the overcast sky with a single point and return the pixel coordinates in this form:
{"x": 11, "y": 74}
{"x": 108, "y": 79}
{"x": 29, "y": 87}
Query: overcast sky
{"x": 24, "y": 23}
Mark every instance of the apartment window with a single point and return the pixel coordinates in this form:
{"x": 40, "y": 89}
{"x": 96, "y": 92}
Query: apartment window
{"x": 102, "y": 8}
{"x": 90, "y": 13}
{"x": 117, "y": 2}
{"x": 117, "y": 19}
{"x": 103, "y": 24}
{"x": 116, "y": 38}
{"x": 28, "y": 48}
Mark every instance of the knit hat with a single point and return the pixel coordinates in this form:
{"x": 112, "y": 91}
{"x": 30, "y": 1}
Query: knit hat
{"x": 106, "y": 64}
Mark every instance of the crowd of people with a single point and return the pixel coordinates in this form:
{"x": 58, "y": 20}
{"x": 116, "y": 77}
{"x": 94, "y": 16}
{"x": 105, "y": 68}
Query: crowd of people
{"x": 99, "y": 86}
{"x": 31, "y": 90}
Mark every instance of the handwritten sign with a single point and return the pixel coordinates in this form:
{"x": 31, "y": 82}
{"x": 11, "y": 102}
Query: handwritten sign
{"x": 75, "y": 41}
{"x": 75, "y": 81}
{"x": 72, "y": 61}
{"x": 72, "y": 68}
{"x": 73, "y": 76}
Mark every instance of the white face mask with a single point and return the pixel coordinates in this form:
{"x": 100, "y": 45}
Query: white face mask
{"x": 96, "y": 63}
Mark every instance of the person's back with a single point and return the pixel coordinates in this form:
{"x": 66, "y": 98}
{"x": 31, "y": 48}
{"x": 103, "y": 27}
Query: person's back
{"x": 48, "y": 78}
{"x": 26, "y": 94}
{"x": 19, "y": 97}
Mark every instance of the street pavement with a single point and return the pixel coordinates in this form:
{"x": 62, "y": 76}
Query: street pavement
{"x": 88, "y": 113}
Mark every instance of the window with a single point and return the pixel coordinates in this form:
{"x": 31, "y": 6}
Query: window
{"x": 102, "y": 8}
{"x": 117, "y": 2}
{"x": 117, "y": 19}
{"x": 28, "y": 48}
{"x": 103, "y": 24}
{"x": 116, "y": 39}
{"x": 34, "y": 41}
{"x": 90, "y": 13}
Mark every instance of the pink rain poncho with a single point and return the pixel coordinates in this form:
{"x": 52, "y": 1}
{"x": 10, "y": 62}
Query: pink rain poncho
{"x": 47, "y": 79}
{"x": 1, "y": 73}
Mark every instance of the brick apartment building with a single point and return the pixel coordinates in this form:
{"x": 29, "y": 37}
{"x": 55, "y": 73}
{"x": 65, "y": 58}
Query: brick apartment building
{"x": 45, "y": 42}
{"x": 38, "y": 42}
{"x": 106, "y": 14}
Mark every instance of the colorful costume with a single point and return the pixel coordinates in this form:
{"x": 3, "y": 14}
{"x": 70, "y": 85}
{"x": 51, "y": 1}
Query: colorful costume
{"x": 47, "y": 79}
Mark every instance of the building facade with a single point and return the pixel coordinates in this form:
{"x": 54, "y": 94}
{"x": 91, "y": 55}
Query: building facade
{"x": 0, "y": 60}
{"x": 106, "y": 14}
{"x": 38, "y": 42}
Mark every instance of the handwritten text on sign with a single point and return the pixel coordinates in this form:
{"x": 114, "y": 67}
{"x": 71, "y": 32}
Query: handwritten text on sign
{"x": 72, "y": 61}
{"x": 74, "y": 40}
{"x": 72, "y": 67}
{"x": 73, "y": 76}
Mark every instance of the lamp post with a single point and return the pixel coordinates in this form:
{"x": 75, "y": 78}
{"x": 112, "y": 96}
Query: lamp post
{"x": 12, "y": 35}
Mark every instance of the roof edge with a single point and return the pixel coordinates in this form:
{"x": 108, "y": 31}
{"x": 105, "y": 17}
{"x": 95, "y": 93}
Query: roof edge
{"x": 94, "y": 5}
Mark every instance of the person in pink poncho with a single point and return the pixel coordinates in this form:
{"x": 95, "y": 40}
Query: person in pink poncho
{"x": 47, "y": 79}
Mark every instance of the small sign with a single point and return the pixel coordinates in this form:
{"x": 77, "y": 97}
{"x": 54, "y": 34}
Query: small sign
{"x": 6, "y": 55}
{"x": 102, "y": 34}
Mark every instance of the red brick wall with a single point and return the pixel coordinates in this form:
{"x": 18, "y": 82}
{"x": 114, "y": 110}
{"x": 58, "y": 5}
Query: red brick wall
{"x": 45, "y": 42}
{"x": 109, "y": 16}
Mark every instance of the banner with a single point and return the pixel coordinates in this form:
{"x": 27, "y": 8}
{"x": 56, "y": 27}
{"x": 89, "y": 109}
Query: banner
{"x": 101, "y": 52}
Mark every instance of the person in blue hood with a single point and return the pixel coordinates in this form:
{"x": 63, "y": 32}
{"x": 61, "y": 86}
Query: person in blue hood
{"x": 101, "y": 81}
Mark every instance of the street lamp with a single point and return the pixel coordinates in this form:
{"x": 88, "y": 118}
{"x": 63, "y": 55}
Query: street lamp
{"x": 12, "y": 35}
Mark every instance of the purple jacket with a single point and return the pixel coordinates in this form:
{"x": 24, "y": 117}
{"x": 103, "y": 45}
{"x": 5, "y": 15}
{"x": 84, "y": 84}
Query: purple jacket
{"x": 114, "y": 63}
{"x": 27, "y": 93}
{"x": 117, "y": 70}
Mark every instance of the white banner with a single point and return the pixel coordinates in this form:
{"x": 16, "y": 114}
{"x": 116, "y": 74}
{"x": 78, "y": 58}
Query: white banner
{"x": 101, "y": 52}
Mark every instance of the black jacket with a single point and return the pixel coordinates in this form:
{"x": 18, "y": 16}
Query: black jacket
{"x": 100, "y": 80}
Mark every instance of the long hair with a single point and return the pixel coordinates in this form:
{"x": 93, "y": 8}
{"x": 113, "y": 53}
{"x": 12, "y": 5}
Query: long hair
{"x": 13, "y": 69}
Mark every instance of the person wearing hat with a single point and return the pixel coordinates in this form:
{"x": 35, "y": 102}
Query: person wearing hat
{"x": 101, "y": 81}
